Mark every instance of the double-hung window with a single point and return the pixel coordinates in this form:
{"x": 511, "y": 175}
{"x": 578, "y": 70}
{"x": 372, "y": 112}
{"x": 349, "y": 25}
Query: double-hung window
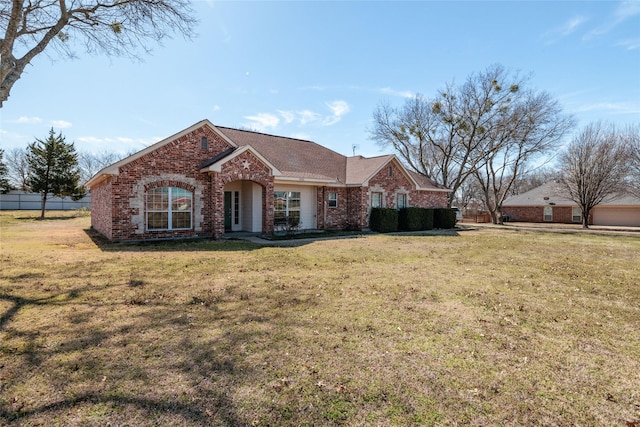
{"x": 401, "y": 200}
{"x": 169, "y": 208}
{"x": 548, "y": 213}
{"x": 376, "y": 200}
{"x": 333, "y": 199}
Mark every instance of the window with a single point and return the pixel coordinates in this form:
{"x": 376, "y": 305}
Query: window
{"x": 376, "y": 200}
{"x": 576, "y": 214}
{"x": 390, "y": 171}
{"x": 204, "y": 143}
{"x": 236, "y": 207}
{"x": 286, "y": 205}
{"x": 401, "y": 200}
{"x": 333, "y": 200}
{"x": 548, "y": 213}
{"x": 169, "y": 208}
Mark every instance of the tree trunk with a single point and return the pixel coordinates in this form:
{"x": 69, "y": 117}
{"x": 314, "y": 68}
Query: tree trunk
{"x": 44, "y": 205}
{"x": 585, "y": 219}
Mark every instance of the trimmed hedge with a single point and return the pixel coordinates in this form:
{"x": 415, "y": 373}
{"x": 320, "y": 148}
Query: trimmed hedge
{"x": 427, "y": 219}
{"x": 410, "y": 219}
{"x": 383, "y": 220}
{"x": 415, "y": 219}
{"x": 444, "y": 218}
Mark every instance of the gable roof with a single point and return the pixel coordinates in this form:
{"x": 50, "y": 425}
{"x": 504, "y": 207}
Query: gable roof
{"x": 294, "y": 158}
{"x": 290, "y": 159}
{"x": 114, "y": 169}
{"x": 551, "y": 194}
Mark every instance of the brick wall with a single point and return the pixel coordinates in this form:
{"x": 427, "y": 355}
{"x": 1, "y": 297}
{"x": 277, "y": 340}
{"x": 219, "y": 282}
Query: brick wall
{"x": 245, "y": 166}
{"x": 332, "y": 218}
{"x": 101, "y": 208}
{"x": 175, "y": 164}
{"x": 560, "y": 214}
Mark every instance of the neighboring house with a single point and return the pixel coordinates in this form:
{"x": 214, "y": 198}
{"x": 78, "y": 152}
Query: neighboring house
{"x": 207, "y": 180}
{"x": 547, "y": 203}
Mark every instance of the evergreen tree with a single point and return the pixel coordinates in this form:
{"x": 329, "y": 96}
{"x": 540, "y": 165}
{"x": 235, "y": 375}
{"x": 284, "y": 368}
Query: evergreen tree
{"x": 54, "y": 169}
{"x": 5, "y": 186}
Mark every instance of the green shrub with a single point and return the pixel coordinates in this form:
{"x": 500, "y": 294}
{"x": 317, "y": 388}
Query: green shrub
{"x": 444, "y": 218}
{"x": 383, "y": 220}
{"x": 410, "y": 219}
{"x": 426, "y": 219}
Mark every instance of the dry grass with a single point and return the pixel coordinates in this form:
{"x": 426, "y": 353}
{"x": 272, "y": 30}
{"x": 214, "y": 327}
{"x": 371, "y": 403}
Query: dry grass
{"x": 484, "y": 328}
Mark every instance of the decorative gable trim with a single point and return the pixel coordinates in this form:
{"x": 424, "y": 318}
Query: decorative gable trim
{"x": 114, "y": 169}
{"x": 386, "y": 164}
{"x": 217, "y": 166}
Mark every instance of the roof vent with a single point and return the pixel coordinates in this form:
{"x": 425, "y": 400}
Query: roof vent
{"x": 546, "y": 198}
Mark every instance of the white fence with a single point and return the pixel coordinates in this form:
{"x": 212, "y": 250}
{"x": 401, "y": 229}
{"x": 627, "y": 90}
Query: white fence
{"x": 21, "y": 200}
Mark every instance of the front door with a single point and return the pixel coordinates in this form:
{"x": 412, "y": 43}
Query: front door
{"x": 227, "y": 210}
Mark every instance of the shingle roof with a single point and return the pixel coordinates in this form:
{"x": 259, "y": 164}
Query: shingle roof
{"x": 360, "y": 169}
{"x": 551, "y": 193}
{"x": 293, "y": 157}
{"x": 425, "y": 182}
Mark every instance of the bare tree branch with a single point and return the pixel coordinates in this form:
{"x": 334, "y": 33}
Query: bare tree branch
{"x": 115, "y": 28}
{"x": 594, "y": 167}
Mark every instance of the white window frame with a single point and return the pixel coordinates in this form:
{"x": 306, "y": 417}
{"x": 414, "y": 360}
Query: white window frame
{"x": 547, "y": 213}
{"x": 377, "y": 195}
{"x": 173, "y": 194}
{"x": 403, "y": 197}
{"x": 293, "y": 202}
{"x": 576, "y": 214}
{"x": 333, "y": 199}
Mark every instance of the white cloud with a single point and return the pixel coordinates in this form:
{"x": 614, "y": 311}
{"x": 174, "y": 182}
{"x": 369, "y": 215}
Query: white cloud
{"x": 629, "y": 44}
{"x": 339, "y": 109}
{"x": 28, "y": 120}
{"x": 610, "y": 107}
{"x": 625, "y": 10}
{"x": 393, "y": 92}
{"x": 307, "y": 116}
{"x": 262, "y": 121}
{"x": 61, "y": 124}
{"x": 569, "y": 27}
{"x": 288, "y": 116}
{"x": 216, "y": 108}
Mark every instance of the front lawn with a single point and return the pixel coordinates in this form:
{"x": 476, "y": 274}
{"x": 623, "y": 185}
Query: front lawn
{"x": 486, "y": 327}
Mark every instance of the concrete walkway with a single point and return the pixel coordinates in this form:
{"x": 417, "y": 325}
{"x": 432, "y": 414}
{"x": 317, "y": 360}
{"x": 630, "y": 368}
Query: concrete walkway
{"x": 461, "y": 227}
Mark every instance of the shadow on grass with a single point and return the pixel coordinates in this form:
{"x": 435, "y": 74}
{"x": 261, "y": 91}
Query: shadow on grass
{"x": 152, "y": 366}
{"x": 172, "y": 245}
{"x": 240, "y": 244}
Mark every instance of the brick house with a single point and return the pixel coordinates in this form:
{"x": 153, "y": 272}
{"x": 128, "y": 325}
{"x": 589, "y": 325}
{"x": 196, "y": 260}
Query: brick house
{"x": 547, "y": 203}
{"x": 207, "y": 180}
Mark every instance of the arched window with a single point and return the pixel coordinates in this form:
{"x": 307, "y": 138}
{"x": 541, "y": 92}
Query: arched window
{"x": 169, "y": 208}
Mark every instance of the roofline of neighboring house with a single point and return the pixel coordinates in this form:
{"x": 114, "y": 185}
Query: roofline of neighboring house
{"x": 114, "y": 169}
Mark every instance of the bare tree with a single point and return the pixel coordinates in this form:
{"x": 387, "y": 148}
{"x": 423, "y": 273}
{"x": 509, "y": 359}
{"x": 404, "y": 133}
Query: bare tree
{"x": 91, "y": 163}
{"x": 631, "y": 136}
{"x": 463, "y": 128}
{"x": 117, "y": 28}
{"x": 18, "y": 168}
{"x": 523, "y": 131}
{"x": 532, "y": 178}
{"x": 594, "y": 167}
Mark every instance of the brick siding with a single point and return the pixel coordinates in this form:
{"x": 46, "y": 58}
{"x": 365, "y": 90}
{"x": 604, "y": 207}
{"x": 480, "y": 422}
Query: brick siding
{"x": 560, "y": 214}
{"x": 118, "y": 203}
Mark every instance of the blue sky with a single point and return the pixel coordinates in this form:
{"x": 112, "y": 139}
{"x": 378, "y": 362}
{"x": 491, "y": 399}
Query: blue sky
{"x": 317, "y": 70}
